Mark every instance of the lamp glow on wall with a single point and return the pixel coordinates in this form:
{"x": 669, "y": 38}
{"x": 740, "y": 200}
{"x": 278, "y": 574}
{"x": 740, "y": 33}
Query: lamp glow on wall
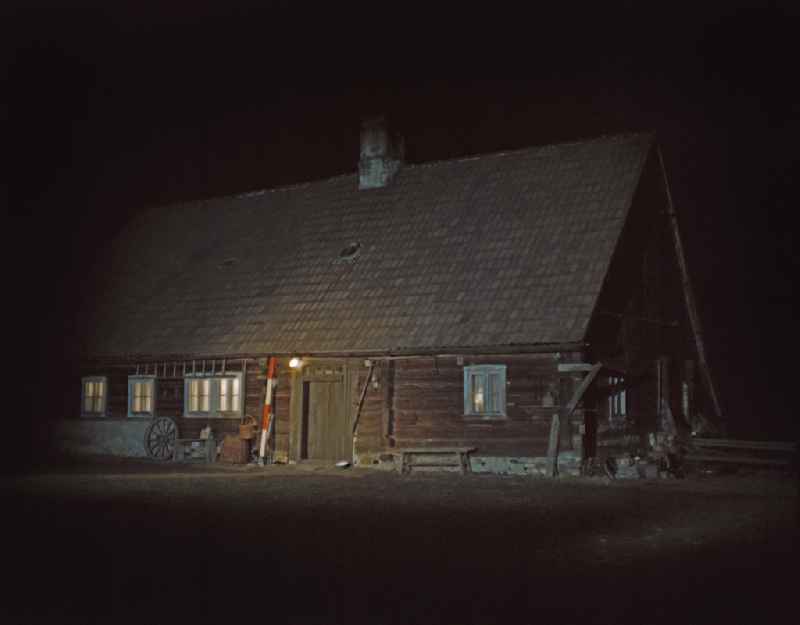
{"x": 295, "y": 362}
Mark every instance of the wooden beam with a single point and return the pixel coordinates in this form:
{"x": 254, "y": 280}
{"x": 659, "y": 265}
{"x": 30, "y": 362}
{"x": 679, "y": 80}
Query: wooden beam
{"x": 552, "y": 445}
{"x": 688, "y": 294}
{"x": 726, "y": 443}
{"x": 364, "y": 390}
{"x": 296, "y": 432}
{"x": 561, "y": 419}
{"x": 749, "y": 460}
{"x": 581, "y": 390}
{"x": 574, "y": 367}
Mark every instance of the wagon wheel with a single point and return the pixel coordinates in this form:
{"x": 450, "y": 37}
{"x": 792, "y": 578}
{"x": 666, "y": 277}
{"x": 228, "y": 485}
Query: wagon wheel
{"x": 159, "y": 438}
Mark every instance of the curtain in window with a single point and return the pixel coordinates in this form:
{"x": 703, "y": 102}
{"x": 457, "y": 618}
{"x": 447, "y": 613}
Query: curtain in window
{"x": 478, "y": 393}
{"x": 229, "y": 394}
{"x": 199, "y": 392}
{"x": 93, "y": 396}
{"x": 142, "y": 397}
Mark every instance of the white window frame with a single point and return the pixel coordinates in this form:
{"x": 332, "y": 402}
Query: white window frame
{"x": 482, "y": 374}
{"x": 214, "y": 395}
{"x": 94, "y": 379}
{"x": 152, "y": 382}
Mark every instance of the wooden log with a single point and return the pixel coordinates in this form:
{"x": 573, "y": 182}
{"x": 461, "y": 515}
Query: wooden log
{"x": 574, "y": 367}
{"x": 688, "y": 295}
{"x": 748, "y": 460}
{"x": 725, "y": 443}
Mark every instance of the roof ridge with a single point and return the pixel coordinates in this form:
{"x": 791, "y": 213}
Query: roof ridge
{"x": 608, "y": 137}
{"x": 604, "y": 138}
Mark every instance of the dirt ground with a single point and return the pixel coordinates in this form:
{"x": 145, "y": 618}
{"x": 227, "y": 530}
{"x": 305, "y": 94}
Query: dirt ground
{"x": 134, "y": 542}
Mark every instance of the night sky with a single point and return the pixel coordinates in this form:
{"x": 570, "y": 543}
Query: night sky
{"x": 116, "y": 108}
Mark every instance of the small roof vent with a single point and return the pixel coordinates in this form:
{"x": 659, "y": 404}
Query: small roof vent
{"x": 228, "y": 262}
{"x": 349, "y": 253}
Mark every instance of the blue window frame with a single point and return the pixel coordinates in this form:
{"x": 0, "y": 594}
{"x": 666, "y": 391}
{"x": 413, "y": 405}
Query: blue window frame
{"x": 94, "y": 392}
{"x": 485, "y": 390}
{"x": 141, "y": 395}
{"x": 213, "y": 395}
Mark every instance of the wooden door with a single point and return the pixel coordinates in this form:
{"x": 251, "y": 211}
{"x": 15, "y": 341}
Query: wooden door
{"x": 328, "y": 432}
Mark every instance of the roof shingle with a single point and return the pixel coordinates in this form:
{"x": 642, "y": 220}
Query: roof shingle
{"x": 504, "y": 249}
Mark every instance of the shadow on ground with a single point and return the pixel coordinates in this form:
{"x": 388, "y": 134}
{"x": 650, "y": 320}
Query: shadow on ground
{"x": 132, "y": 544}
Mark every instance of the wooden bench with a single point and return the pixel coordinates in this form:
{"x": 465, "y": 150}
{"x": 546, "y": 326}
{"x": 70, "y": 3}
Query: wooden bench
{"x": 438, "y": 457}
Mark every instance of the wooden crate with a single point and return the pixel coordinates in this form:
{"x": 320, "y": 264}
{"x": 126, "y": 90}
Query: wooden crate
{"x": 235, "y": 450}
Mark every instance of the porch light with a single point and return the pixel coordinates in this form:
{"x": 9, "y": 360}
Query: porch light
{"x": 295, "y": 363}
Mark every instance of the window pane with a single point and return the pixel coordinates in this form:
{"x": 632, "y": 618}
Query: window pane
{"x": 493, "y": 399}
{"x": 204, "y": 391}
{"x": 223, "y": 394}
{"x": 478, "y": 393}
{"x": 194, "y": 391}
{"x": 235, "y": 394}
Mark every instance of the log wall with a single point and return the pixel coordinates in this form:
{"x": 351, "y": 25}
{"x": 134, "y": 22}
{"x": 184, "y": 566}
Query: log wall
{"x": 170, "y": 390}
{"x": 420, "y": 402}
{"x": 413, "y": 402}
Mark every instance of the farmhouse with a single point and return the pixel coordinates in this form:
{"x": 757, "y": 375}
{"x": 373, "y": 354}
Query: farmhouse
{"x": 524, "y": 303}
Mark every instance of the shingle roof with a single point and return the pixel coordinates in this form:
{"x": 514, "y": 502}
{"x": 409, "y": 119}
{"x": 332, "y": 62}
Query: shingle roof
{"x": 503, "y": 249}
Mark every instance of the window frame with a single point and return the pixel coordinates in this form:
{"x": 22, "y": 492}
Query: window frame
{"x": 485, "y": 371}
{"x": 617, "y": 402}
{"x": 214, "y": 394}
{"x": 88, "y": 379}
{"x": 138, "y": 379}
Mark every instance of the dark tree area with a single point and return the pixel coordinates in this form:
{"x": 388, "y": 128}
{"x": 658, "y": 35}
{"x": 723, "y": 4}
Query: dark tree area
{"x": 116, "y": 108}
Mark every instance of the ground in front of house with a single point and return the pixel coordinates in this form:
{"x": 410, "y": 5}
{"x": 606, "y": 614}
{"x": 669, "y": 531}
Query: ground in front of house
{"x": 134, "y": 542}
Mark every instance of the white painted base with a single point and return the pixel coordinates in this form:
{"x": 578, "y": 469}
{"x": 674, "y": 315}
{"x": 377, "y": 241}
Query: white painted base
{"x": 113, "y": 437}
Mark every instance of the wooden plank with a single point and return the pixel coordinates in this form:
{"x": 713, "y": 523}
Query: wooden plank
{"x": 582, "y": 387}
{"x": 688, "y": 294}
{"x": 750, "y": 460}
{"x": 552, "y": 445}
{"x": 561, "y": 418}
{"x": 434, "y": 450}
{"x": 574, "y": 367}
{"x": 724, "y": 443}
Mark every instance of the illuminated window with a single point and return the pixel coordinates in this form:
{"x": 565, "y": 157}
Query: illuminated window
{"x": 485, "y": 390}
{"x": 617, "y": 400}
{"x": 229, "y": 395}
{"x": 213, "y": 396}
{"x": 93, "y": 396}
{"x": 141, "y": 396}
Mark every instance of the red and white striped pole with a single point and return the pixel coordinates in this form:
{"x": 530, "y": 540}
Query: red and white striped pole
{"x": 266, "y": 419}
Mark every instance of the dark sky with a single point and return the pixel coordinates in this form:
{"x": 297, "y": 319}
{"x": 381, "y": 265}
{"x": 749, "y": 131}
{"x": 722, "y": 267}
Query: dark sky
{"x": 116, "y": 107}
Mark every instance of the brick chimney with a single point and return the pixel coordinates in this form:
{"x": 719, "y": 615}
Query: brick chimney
{"x": 381, "y": 155}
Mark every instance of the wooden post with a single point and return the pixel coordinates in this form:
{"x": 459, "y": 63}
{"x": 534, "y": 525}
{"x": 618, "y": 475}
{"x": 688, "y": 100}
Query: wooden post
{"x": 552, "y": 445}
{"x": 357, "y": 415}
{"x": 388, "y": 399}
{"x": 687, "y": 392}
{"x": 556, "y": 425}
{"x": 688, "y": 295}
{"x": 268, "y": 417}
{"x": 296, "y": 432}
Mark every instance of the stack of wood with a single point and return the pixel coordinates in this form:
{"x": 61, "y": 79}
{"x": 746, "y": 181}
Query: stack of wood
{"x": 743, "y": 453}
